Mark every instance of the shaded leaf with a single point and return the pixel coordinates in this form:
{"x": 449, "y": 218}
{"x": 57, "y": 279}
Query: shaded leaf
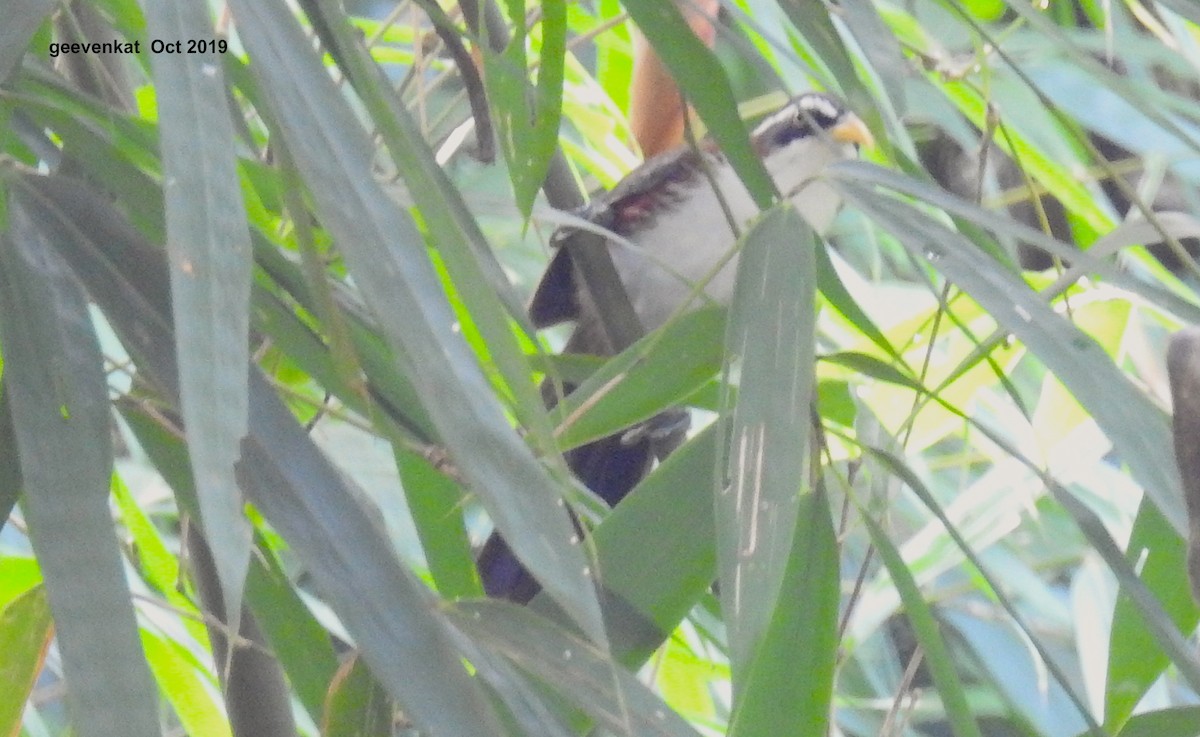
{"x": 53, "y": 372}
{"x": 208, "y": 247}
{"x": 21, "y": 21}
{"x": 527, "y": 121}
{"x": 770, "y": 350}
{"x": 356, "y": 705}
{"x": 1135, "y": 656}
{"x": 657, "y": 553}
{"x": 376, "y": 597}
{"x": 933, "y": 645}
{"x": 575, "y": 668}
{"x": 388, "y": 262}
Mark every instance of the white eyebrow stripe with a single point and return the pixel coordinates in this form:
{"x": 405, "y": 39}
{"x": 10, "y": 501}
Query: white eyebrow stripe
{"x": 812, "y": 103}
{"x": 820, "y": 104}
{"x": 780, "y": 115}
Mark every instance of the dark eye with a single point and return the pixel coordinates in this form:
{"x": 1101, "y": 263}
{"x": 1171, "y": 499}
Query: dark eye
{"x": 799, "y": 127}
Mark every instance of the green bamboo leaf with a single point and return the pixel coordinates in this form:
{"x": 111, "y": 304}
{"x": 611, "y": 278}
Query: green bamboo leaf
{"x": 357, "y": 706}
{"x": 333, "y": 532}
{"x": 1136, "y": 658}
{"x": 26, "y": 630}
{"x": 181, "y": 671}
{"x": 1155, "y": 619}
{"x": 479, "y": 280}
{"x": 881, "y": 51}
{"x": 17, "y": 576}
{"x": 106, "y": 153}
{"x": 436, "y": 503}
{"x": 388, "y": 262}
{"x": 209, "y": 252}
{"x": 289, "y": 479}
{"x": 770, "y": 348}
{"x": 811, "y": 19}
{"x": 787, "y": 687}
{"x": 933, "y": 644}
{"x": 301, "y": 644}
{"x": 835, "y": 291}
{"x": 114, "y": 150}
{"x": 10, "y": 464}
{"x": 1137, "y": 428}
{"x": 1083, "y": 262}
{"x": 189, "y": 688}
{"x": 303, "y": 345}
{"x": 569, "y": 665}
{"x": 866, "y": 365}
{"x": 656, "y": 550}
{"x": 534, "y": 708}
{"x": 1183, "y": 721}
{"x": 657, "y": 372}
{"x": 158, "y": 565}
{"x": 125, "y": 15}
{"x": 526, "y": 123}
{"x": 53, "y": 371}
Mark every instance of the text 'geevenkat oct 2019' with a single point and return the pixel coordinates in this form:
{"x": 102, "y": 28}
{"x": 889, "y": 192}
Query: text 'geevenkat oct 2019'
{"x": 156, "y": 46}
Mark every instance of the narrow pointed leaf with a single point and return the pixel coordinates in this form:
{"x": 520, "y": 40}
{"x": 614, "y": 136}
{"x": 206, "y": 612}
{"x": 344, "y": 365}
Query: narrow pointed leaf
{"x": 287, "y": 477}
{"x": 1157, "y": 621}
{"x": 389, "y": 612}
{"x": 21, "y": 21}
{"x": 812, "y": 19}
{"x": 209, "y": 252}
{"x": 929, "y": 635}
{"x": 479, "y": 279}
{"x": 26, "y": 630}
{"x": 575, "y": 668}
{"x": 787, "y": 687}
{"x": 527, "y": 121}
{"x": 298, "y": 641}
{"x": 770, "y": 345}
{"x": 1137, "y": 428}
{"x": 53, "y": 372}
{"x": 389, "y": 263}
{"x": 10, "y": 464}
{"x": 656, "y": 550}
{"x": 1135, "y": 658}
{"x": 654, "y": 374}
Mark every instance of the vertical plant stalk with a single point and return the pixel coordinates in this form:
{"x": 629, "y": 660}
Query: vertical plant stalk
{"x": 1183, "y": 366}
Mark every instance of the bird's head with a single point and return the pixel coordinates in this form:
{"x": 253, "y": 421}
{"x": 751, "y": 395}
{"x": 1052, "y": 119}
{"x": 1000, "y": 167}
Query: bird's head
{"x": 812, "y": 116}
{"x": 798, "y": 141}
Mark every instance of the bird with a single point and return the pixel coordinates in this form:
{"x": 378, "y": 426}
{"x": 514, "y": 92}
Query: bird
{"x": 673, "y": 219}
